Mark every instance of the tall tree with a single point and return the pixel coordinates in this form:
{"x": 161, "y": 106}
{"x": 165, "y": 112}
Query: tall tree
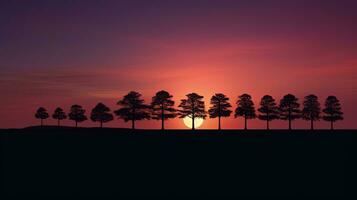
{"x": 59, "y": 115}
{"x": 268, "y": 109}
{"x": 193, "y": 106}
{"x": 245, "y": 108}
{"x": 311, "y": 111}
{"x": 162, "y": 107}
{"x": 289, "y": 108}
{"x": 77, "y": 114}
{"x": 332, "y": 110}
{"x": 41, "y": 114}
{"x": 101, "y": 113}
{"x": 220, "y": 107}
{"x": 133, "y": 108}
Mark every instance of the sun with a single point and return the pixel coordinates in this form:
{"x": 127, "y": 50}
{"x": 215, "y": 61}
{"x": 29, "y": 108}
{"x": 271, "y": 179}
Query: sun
{"x": 188, "y": 122}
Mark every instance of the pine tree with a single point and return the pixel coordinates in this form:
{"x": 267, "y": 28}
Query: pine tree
{"x": 101, "y": 113}
{"x": 193, "y": 107}
{"x": 332, "y": 110}
{"x": 162, "y": 107}
{"x": 220, "y": 107}
{"x": 289, "y": 108}
{"x": 59, "y": 115}
{"x": 41, "y": 114}
{"x": 245, "y": 108}
{"x": 77, "y": 114}
{"x": 311, "y": 111}
{"x": 133, "y": 108}
{"x": 269, "y": 110}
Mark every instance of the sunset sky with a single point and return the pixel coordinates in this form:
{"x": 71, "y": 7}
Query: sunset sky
{"x": 63, "y": 52}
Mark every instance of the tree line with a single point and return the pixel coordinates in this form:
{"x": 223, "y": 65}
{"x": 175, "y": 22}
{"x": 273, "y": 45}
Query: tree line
{"x": 133, "y": 108}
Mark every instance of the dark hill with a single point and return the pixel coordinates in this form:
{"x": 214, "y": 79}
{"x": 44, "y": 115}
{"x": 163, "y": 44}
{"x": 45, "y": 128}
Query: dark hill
{"x": 119, "y": 163}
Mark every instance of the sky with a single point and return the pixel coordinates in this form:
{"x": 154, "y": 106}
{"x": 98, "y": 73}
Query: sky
{"x": 64, "y": 52}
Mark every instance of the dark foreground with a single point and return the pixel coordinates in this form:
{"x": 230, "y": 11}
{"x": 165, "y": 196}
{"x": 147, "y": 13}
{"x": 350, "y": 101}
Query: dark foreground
{"x": 121, "y": 163}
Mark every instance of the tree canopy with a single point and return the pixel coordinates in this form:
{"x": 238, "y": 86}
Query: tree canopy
{"x": 289, "y": 108}
{"x": 132, "y": 108}
{"x": 193, "y": 106}
{"x": 332, "y": 110}
{"x": 59, "y": 115}
{"x": 162, "y": 107}
{"x": 101, "y": 113}
{"x": 245, "y": 108}
{"x": 41, "y": 114}
{"x": 268, "y": 109}
{"x": 77, "y": 114}
{"x": 311, "y": 110}
{"x": 220, "y": 107}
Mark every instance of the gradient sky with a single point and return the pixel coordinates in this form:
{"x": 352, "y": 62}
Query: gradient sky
{"x": 62, "y": 52}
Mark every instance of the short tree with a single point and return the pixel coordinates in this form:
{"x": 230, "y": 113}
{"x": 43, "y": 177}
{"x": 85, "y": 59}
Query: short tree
{"x": 133, "y": 108}
{"x": 59, "y": 115}
{"x": 268, "y": 109}
{"x": 332, "y": 110}
{"x": 162, "y": 107}
{"x": 41, "y": 114}
{"x": 77, "y": 114}
{"x": 289, "y": 108}
{"x": 245, "y": 108}
{"x": 193, "y": 106}
{"x": 311, "y": 111}
{"x": 220, "y": 107}
{"x": 101, "y": 113}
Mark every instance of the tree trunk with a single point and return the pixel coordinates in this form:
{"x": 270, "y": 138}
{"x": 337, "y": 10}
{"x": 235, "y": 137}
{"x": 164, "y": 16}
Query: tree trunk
{"x": 219, "y": 122}
{"x": 268, "y": 124}
{"x": 193, "y": 123}
{"x": 289, "y": 117}
{"x": 162, "y": 118}
{"x": 133, "y": 124}
{"x": 41, "y": 122}
{"x": 245, "y": 122}
{"x": 76, "y": 124}
{"x": 101, "y": 124}
{"x": 331, "y": 125}
{"x": 59, "y": 123}
{"x": 312, "y": 124}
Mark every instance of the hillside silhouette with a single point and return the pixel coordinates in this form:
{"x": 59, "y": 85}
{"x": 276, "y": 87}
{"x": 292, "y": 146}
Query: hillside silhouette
{"x": 98, "y": 162}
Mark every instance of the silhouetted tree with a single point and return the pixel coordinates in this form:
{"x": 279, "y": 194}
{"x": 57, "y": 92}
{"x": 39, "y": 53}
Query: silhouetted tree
{"x": 193, "y": 107}
{"x": 101, "y": 113}
{"x": 269, "y": 109}
{"x": 332, "y": 110}
{"x": 245, "y": 108}
{"x": 289, "y": 108}
{"x": 41, "y": 114}
{"x": 77, "y": 114}
{"x": 311, "y": 111}
{"x": 162, "y": 107}
{"x": 59, "y": 115}
{"x": 133, "y": 108}
{"x": 220, "y": 107}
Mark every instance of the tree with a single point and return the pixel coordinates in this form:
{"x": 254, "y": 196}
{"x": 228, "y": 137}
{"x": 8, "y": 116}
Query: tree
{"x": 101, "y": 113}
{"x": 59, "y": 115}
{"x": 289, "y": 108}
{"x": 268, "y": 109}
{"x": 77, "y": 114}
{"x": 162, "y": 107}
{"x": 133, "y": 108}
{"x": 193, "y": 107}
{"x": 332, "y": 110}
{"x": 311, "y": 111}
{"x": 220, "y": 107}
{"x": 245, "y": 108}
{"x": 41, "y": 114}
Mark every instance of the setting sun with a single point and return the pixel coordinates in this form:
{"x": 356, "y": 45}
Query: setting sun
{"x": 188, "y": 122}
